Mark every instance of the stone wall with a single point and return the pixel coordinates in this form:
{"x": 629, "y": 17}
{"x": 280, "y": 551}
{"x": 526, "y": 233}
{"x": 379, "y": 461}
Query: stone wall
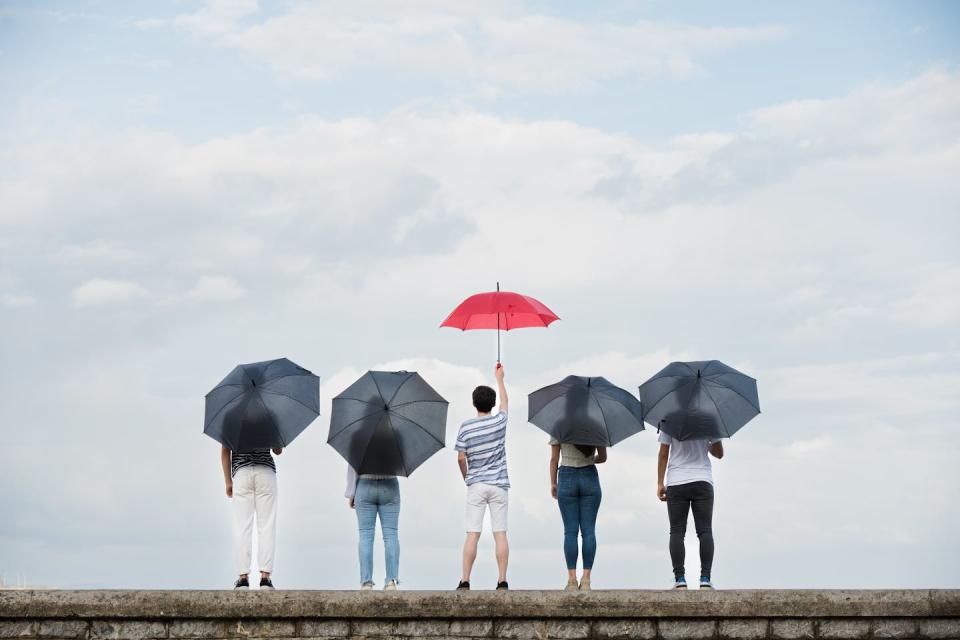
{"x": 519, "y": 615}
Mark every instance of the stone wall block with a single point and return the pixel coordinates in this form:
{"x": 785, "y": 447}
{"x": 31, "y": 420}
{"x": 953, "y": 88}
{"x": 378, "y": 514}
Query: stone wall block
{"x": 792, "y": 630}
{"x": 418, "y": 628}
{"x": 743, "y": 629}
{"x": 938, "y": 629}
{"x": 894, "y": 628}
{"x": 686, "y": 629}
{"x": 472, "y": 628}
{"x": 568, "y": 629}
{"x": 624, "y": 629}
{"x": 843, "y": 629}
{"x": 373, "y": 628}
{"x": 63, "y": 629}
{"x": 127, "y": 629}
{"x": 520, "y": 629}
{"x": 18, "y": 629}
{"x": 324, "y": 628}
{"x": 198, "y": 629}
{"x": 261, "y": 629}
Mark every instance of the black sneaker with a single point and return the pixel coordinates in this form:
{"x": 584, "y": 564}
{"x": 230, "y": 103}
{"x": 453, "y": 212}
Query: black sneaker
{"x": 266, "y": 584}
{"x": 502, "y": 586}
{"x": 242, "y": 584}
{"x": 464, "y": 585}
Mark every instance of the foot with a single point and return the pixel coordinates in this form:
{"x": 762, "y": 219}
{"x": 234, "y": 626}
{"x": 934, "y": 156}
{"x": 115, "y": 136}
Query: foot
{"x": 681, "y": 583}
{"x": 366, "y": 586}
{"x": 390, "y": 586}
{"x": 502, "y": 585}
{"x": 266, "y": 584}
{"x": 584, "y": 584}
{"x": 464, "y": 585}
{"x": 705, "y": 582}
{"x": 242, "y": 584}
{"x": 571, "y": 585}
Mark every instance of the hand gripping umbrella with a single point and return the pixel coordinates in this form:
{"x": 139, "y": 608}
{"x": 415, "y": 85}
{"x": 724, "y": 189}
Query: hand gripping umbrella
{"x": 388, "y": 423}
{"x": 499, "y": 310}
{"x": 589, "y": 411}
{"x": 262, "y": 405}
{"x": 692, "y": 400}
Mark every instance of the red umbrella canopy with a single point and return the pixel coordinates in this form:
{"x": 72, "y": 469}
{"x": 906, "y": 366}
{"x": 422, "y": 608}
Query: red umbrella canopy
{"x": 499, "y": 310}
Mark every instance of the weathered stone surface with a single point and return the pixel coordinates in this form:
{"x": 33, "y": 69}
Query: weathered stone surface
{"x": 791, "y": 629}
{"x": 262, "y": 628}
{"x": 197, "y": 629}
{"x": 686, "y": 629}
{"x": 417, "y": 628}
{"x": 17, "y": 629}
{"x": 63, "y": 628}
{"x": 743, "y": 629}
{"x": 839, "y": 629}
{"x": 325, "y": 628}
{"x": 127, "y": 629}
{"x": 520, "y": 629}
{"x": 940, "y": 628}
{"x": 621, "y": 629}
{"x": 472, "y": 628}
{"x": 158, "y": 605}
{"x": 568, "y": 629}
{"x": 373, "y": 628}
{"x": 894, "y": 628}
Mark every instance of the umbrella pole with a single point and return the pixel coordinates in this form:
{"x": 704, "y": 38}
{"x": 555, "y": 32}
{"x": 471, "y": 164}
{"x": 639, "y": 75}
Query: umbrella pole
{"x": 498, "y": 328}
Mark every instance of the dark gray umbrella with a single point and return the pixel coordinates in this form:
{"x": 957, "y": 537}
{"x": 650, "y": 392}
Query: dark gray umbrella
{"x": 590, "y": 411}
{"x": 388, "y": 423}
{"x": 262, "y": 405}
{"x": 706, "y": 399}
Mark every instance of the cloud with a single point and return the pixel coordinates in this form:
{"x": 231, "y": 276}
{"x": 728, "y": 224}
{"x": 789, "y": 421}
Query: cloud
{"x": 491, "y": 45}
{"x": 216, "y": 288}
{"x": 13, "y": 301}
{"x": 102, "y": 291}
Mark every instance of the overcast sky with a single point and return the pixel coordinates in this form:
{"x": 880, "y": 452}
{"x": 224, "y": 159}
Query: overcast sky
{"x": 185, "y": 186}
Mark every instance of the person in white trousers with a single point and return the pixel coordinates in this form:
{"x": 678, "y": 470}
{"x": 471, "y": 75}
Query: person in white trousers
{"x": 251, "y": 482}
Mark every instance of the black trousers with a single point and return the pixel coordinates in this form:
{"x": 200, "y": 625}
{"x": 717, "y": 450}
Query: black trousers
{"x": 681, "y": 498}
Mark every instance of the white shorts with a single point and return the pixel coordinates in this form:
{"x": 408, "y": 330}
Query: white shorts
{"x": 479, "y": 497}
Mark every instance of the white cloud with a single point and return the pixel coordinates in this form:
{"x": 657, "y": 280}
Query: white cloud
{"x": 102, "y": 291}
{"x": 490, "y": 44}
{"x": 216, "y": 288}
{"x": 14, "y": 301}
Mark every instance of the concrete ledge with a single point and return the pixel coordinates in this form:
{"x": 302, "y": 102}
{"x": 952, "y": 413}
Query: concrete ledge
{"x": 451, "y": 605}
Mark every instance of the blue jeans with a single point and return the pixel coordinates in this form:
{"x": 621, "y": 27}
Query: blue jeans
{"x": 578, "y": 494}
{"x": 378, "y": 497}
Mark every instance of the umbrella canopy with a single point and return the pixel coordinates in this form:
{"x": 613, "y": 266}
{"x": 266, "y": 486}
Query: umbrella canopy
{"x": 498, "y": 310}
{"x": 589, "y": 411}
{"x": 388, "y": 423}
{"x": 705, "y": 399}
{"x": 262, "y": 405}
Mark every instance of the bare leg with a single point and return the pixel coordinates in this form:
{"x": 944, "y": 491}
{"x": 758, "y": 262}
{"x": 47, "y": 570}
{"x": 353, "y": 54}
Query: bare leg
{"x": 503, "y": 553}
{"x": 469, "y": 553}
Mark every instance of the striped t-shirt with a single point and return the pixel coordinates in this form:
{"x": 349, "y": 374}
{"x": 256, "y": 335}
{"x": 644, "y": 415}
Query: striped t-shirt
{"x": 240, "y": 460}
{"x": 483, "y": 439}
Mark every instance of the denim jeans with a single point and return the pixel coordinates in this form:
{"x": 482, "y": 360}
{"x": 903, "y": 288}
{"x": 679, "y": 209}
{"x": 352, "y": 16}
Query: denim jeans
{"x": 378, "y": 497}
{"x": 681, "y": 499}
{"x": 578, "y": 495}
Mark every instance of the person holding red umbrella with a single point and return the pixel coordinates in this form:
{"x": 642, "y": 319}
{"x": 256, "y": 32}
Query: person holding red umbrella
{"x": 482, "y": 456}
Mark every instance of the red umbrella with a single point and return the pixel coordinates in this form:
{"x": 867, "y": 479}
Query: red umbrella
{"x": 500, "y": 310}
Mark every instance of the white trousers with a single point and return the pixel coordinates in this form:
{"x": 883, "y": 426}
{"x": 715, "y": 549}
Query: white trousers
{"x": 255, "y": 495}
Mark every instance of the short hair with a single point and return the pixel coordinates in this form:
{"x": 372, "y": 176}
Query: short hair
{"x": 484, "y": 398}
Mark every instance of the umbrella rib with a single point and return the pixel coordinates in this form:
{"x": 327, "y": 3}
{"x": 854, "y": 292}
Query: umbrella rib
{"x": 404, "y": 404}
{"x": 745, "y": 398}
{"x": 273, "y": 419}
{"x": 393, "y": 432}
{"x": 400, "y": 386}
{"x": 546, "y": 404}
{"x": 602, "y": 415}
{"x": 646, "y": 411}
{"x": 220, "y": 410}
{"x": 719, "y": 413}
{"x": 349, "y": 424}
{"x": 288, "y": 396}
{"x": 221, "y": 386}
{"x": 420, "y": 426}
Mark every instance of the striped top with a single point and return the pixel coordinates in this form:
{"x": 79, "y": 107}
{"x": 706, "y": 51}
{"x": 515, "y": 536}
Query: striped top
{"x": 484, "y": 440}
{"x": 240, "y": 460}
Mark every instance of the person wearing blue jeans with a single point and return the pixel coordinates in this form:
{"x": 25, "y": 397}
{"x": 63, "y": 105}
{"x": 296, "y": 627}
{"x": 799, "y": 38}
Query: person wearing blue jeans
{"x": 575, "y": 483}
{"x": 372, "y": 496}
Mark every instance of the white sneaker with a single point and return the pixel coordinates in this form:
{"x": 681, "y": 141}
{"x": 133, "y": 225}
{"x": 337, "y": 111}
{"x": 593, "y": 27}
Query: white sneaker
{"x": 366, "y": 586}
{"x": 390, "y": 586}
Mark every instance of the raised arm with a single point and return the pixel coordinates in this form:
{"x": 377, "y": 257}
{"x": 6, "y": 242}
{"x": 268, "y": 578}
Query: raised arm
{"x": 501, "y": 389}
{"x": 662, "y": 458}
{"x": 716, "y": 449}
{"x": 554, "y": 467}
{"x": 601, "y": 455}
{"x": 225, "y": 464}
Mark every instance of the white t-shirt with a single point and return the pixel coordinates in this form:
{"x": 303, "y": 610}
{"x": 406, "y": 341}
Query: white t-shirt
{"x": 688, "y": 460}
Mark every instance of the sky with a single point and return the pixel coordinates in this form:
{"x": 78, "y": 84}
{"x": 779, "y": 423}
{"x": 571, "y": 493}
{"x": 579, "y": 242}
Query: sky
{"x": 185, "y": 186}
